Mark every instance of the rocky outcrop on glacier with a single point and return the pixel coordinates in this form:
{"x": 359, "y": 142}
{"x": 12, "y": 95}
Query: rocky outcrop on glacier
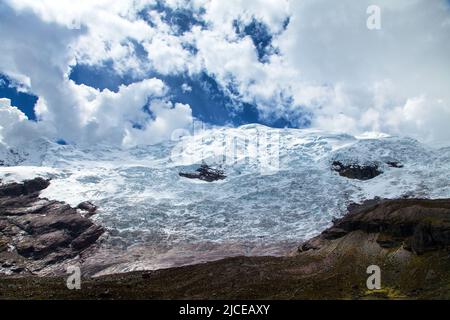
{"x": 205, "y": 173}
{"x": 356, "y": 171}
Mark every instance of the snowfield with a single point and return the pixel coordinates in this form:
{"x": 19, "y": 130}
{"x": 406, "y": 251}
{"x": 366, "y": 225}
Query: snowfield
{"x": 142, "y": 199}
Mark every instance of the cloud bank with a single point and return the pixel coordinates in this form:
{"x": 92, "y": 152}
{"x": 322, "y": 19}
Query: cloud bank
{"x": 311, "y": 62}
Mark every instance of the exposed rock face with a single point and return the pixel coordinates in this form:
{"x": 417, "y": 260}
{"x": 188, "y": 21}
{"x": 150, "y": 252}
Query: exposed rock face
{"x": 35, "y": 232}
{"x": 23, "y": 189}
{"x": 205, "y": 173}
{"x": 416, "y": 225}
{"x": 356, "y": 171}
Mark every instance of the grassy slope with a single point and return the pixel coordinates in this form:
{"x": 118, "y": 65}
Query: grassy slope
{"x": 337, "y": 271}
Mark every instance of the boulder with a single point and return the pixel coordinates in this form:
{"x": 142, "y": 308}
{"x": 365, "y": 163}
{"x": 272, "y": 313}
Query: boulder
{"x": 88, "y": 206}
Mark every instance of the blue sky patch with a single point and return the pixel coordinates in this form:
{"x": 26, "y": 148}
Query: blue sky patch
{"x": 260, "y": 35}
{"x": 24, "y": 101}
{"x": 181, "y": 20}
{"x": 99, "y": 77}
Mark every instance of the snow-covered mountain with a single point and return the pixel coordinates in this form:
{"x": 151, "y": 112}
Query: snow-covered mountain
{"x": 142, "y": 198}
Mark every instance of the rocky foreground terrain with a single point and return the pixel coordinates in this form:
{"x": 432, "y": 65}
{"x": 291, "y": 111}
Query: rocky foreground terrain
{"x": 409, "y": 239}
{"x": 36, "y": 233}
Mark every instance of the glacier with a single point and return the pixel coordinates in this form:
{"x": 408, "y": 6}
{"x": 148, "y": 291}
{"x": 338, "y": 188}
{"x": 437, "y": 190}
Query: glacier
{"x": 143, "y": 201}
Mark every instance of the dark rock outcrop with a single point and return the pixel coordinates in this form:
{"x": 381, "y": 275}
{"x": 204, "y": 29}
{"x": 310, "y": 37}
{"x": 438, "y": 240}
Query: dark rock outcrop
{"x": 37, "y": 232}
{"x": 395, "y": 164}
{"x": 23, "y": 189}
{"x": 89, "y": 207}
{"x": 419, "y": 225}
{"x": 205, "y": 173}
{"x": 356, "y": 171}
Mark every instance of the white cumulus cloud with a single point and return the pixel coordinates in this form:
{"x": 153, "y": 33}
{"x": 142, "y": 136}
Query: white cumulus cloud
{"x": 325, "y": 64}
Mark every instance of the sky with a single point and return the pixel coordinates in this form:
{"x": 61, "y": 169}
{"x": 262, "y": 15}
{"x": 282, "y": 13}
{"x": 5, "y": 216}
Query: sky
{"x": 132, "y": 72}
